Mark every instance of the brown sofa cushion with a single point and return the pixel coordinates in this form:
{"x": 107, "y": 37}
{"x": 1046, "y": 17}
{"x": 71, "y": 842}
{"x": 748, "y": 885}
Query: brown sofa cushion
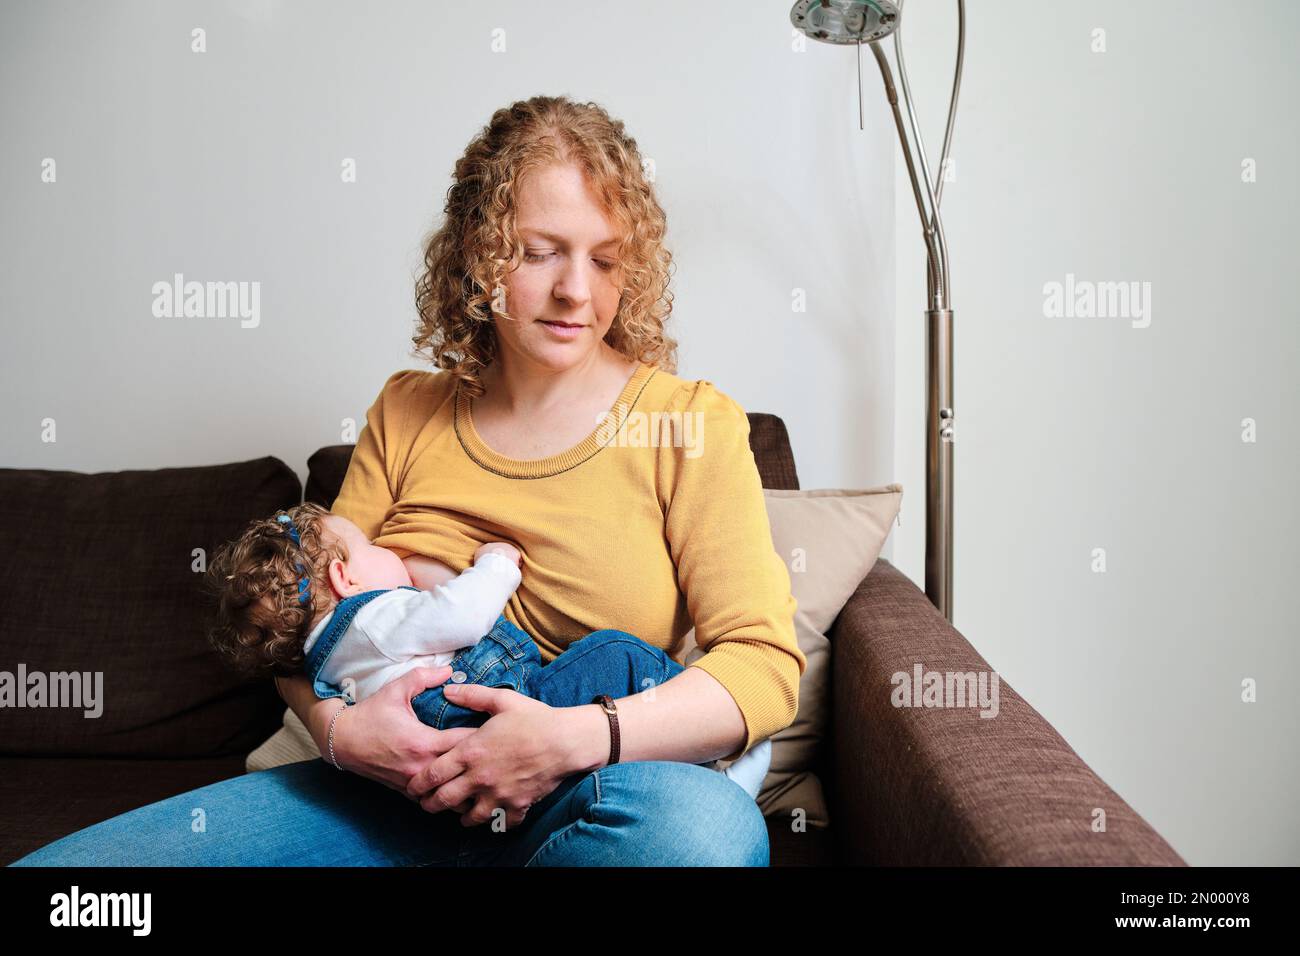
{"x": 45, "y": 799}
{"x": 101, "y": 575}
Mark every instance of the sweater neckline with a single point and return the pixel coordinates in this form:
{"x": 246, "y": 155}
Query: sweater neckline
{"x": 485, "y": 457}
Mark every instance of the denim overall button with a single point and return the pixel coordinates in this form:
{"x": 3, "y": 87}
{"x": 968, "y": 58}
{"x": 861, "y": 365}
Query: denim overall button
{"x": 458, "y": 677}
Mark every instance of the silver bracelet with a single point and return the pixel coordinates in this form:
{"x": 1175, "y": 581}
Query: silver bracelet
{"x": 331, "y": 734}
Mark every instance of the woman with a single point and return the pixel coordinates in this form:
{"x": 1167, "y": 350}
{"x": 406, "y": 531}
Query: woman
{"x": 555, "y": 423}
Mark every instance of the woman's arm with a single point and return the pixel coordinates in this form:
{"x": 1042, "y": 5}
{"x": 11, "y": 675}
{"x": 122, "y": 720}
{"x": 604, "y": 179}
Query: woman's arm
{"x": 314, "y": 713}
{"x": 691, "y": 718}
{"x": 746, "y": 686}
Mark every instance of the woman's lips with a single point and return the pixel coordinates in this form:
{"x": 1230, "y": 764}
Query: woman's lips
{"x": 563, "y": 330}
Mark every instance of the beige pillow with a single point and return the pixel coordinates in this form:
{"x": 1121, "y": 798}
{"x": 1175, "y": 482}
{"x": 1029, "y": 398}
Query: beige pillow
{"x": 290, "y": 744}
{"x": 829, "y": 539}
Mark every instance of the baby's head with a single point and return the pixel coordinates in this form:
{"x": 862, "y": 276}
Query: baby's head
{"x": 262, "y": 616}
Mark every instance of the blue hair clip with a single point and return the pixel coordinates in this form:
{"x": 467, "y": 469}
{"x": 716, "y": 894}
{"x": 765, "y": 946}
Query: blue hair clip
{"x": 293, "y": 533}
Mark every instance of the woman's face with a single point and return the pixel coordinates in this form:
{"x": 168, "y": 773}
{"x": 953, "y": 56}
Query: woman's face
{"x": 570, "y": 273}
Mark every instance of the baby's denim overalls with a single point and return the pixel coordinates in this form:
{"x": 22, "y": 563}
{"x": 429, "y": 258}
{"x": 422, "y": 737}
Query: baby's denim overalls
{"x": 604, "y": 662}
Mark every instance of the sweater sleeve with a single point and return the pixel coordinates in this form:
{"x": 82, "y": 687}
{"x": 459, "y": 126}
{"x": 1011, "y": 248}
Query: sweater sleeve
{"x": 737, "y": 588}
{"x": 368, "y": 490}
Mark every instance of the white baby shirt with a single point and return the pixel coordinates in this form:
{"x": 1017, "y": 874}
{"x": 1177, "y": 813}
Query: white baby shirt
{"x": 402, "y": 629}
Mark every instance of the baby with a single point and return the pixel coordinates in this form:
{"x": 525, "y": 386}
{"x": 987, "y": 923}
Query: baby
{"x": 306, "y": 592}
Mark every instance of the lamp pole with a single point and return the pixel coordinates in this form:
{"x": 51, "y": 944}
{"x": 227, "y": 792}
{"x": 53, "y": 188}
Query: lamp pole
{"x": 857, "y": 22}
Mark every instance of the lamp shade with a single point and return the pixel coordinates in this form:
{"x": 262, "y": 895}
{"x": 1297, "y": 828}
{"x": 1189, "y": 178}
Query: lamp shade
{"x": 845, "y": 21}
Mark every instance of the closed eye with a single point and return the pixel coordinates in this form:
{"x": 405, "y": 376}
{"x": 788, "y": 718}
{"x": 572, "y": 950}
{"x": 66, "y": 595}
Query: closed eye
{"x": 539, "y": 256}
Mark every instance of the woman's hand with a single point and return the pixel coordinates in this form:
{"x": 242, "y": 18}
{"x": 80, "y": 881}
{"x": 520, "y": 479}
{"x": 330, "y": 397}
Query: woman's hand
{"x": 379, "y": 738}
{"x": 522, "y": 753}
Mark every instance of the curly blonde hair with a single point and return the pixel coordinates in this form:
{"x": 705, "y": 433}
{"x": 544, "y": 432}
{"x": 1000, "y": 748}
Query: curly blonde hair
{"x": 260, "y": 624}
{"x": 468, "y": 256}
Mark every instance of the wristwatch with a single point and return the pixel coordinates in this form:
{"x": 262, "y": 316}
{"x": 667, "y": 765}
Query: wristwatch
{"x": 607, "y": 704}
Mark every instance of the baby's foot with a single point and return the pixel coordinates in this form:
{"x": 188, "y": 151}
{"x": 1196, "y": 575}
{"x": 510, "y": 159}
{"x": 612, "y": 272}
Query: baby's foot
{"x": 750, "y": 768}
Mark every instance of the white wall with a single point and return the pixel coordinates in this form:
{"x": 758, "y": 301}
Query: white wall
{"x": 1081, "y": 433}
{"x": 1073, "y": 434}
{"x": 225, "y": 165}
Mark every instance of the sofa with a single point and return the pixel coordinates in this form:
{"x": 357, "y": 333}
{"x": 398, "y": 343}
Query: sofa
{"x": 103, "y": 577}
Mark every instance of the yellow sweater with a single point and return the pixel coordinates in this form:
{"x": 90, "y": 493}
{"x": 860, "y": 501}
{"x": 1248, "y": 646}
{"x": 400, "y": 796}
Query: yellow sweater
{"x": 650, "y": 524}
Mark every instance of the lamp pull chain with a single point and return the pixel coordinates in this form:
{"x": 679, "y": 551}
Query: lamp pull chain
{"x": 860, "y": 85}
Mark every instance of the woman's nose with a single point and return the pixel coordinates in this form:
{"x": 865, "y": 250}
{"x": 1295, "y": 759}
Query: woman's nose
{"x": 574, "y": 284}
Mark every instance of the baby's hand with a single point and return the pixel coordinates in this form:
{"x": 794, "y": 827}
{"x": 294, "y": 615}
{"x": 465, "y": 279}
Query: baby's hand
{"x": 501, "y": 548}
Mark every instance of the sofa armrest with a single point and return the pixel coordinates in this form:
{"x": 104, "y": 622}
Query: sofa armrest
{"x": 943, "y": 785}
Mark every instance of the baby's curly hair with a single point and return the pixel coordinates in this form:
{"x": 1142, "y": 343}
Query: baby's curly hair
{"x": 476, "y": 246}
{"x": 260, "y": 625}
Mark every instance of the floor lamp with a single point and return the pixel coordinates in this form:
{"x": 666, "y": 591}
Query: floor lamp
{"x": 857, "y": 22}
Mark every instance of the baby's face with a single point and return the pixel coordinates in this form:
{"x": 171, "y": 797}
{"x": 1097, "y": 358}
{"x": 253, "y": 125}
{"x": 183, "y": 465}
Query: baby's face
{"x": 368, "y": 568}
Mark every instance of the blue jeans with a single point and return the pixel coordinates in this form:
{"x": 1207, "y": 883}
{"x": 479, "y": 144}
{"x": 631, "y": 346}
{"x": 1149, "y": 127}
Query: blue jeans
{"x": 640, "y": 813}
{"x": 604, "y": 662}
